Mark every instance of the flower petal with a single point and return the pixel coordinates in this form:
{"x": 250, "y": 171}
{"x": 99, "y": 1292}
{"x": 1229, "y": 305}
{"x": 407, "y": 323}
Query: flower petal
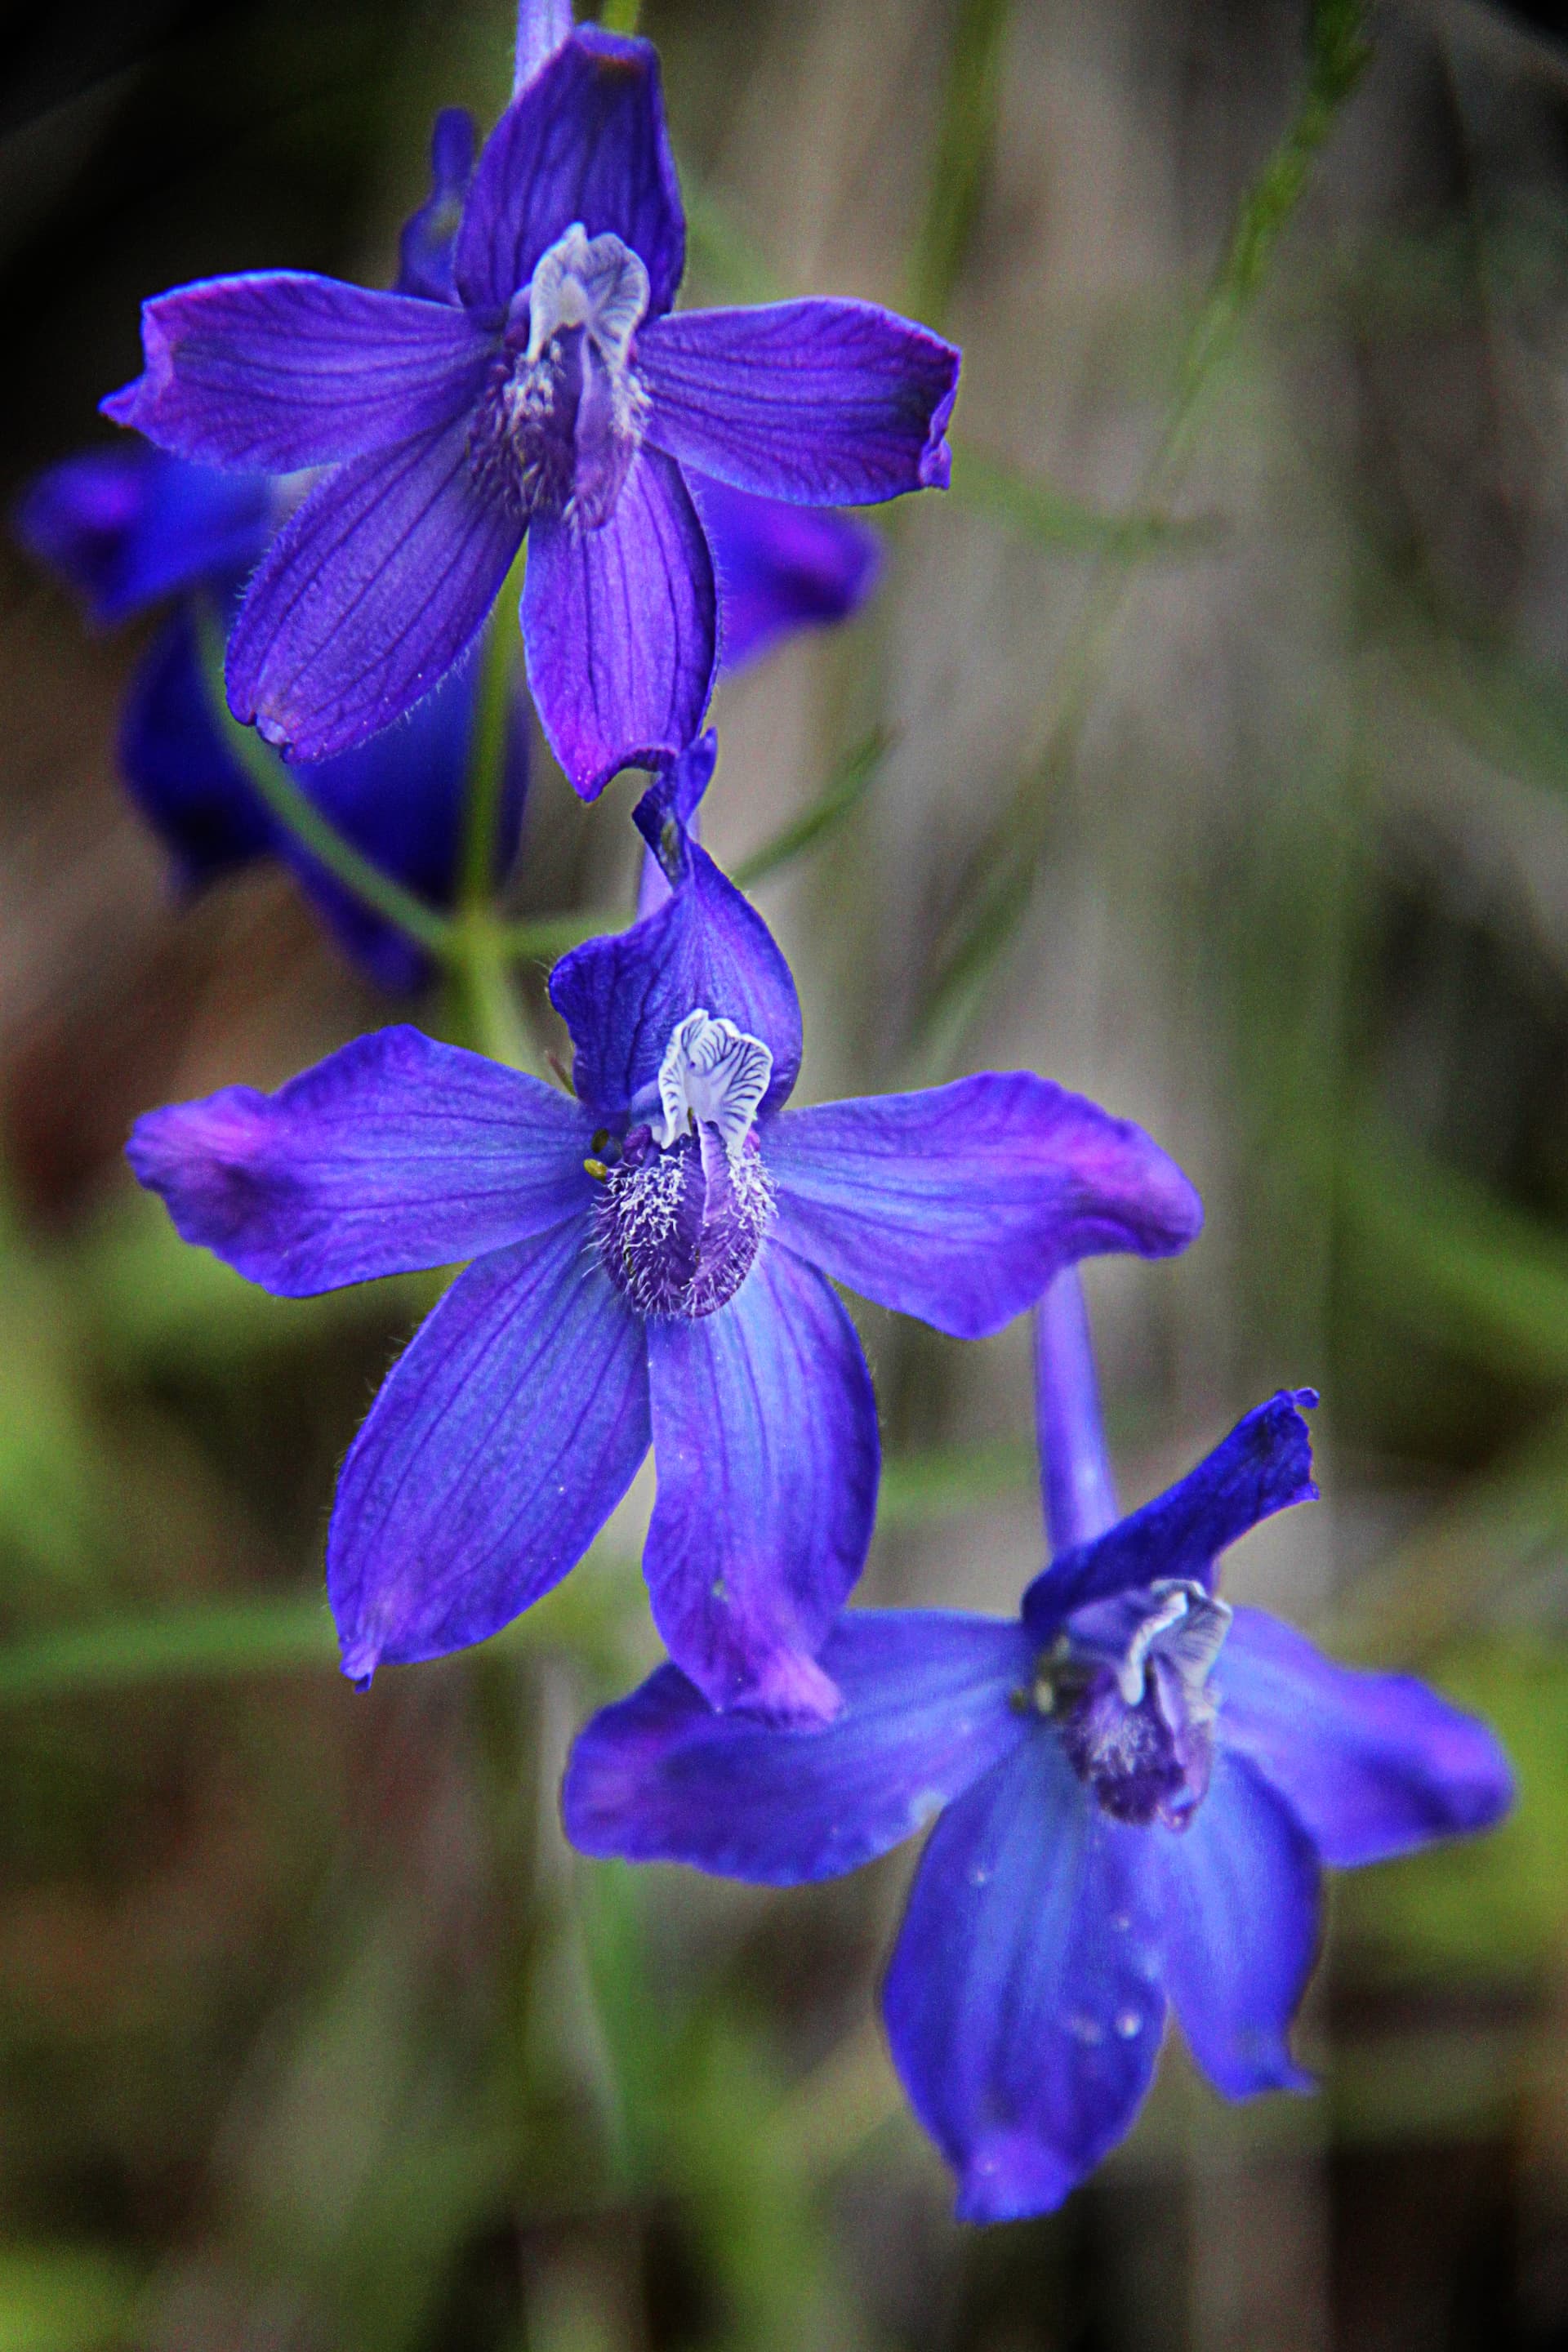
{"x": 394, "y": 1154}
{"x": 781, "y": 567}
{"x": 621, "y": 627}
{"x": 374, "y": 589}
{"x": 502, "y": 1440}
{"x": 1263, "y": 1467}
{"x": 178, "y": 769}
{"x": 689, "y": 777}
{"x": 765, "y": 1443}
{"x": 826, "y": 404}
{"x": 1370, "y": 1765}
{"x": 279, "y": 369}
{"x": 424, "y": 246}
{"x": 959, "y": 1204}
{"x": 1023, "y": 2003}
{"x": 126, "y": 526}
{"x": 1240, "y": 1897}
{"x": 542, "y": 27}
{"x": 583, "y": 141}
{"x": 927, "y": 1708}
{"x": 622, "y": 997}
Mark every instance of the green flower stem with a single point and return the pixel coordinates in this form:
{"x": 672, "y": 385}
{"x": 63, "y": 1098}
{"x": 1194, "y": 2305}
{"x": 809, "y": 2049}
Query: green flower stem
{"x": 424, "y": 924}
{"x": 488, "y": 746}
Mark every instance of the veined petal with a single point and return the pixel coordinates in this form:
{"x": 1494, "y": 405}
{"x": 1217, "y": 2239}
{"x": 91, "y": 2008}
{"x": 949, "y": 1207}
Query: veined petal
{"x": 374, "y": 589}
{"x": 424, "y": 246}
{"x": 125, "y": 527}
{"x": 178, "y": 768}
{"x": 1370, "y": 1765}
{"x": 542, "y": 27}
{"x": 1023, "y": 2004}
{"x": 394, "y": 1154}
{"x": 927, "y": 1708}
{"x": 1240, "y": 1894}
{"x": 1263, "y": 1467}
{"x": 959, "y": 1204}
{"x": 826, "y": 404}
{"x": 583, "y": 141}
{"x": 765, "y": 1444}
{"x": 622, "y": 997}
{"x": 620, "y": 625}
{"x": 280, "y": 368}
{"x": 780, "y": 567}
{"x": 502, "y": 1440}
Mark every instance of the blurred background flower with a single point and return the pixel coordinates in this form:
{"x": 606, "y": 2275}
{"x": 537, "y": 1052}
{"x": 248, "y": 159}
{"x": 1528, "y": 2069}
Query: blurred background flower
{"x": 1206, "y": 748}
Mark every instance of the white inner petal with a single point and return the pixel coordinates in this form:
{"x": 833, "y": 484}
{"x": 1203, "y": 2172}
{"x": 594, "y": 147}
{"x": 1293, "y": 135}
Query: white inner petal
{"x": 713, "y": 1075}
{"x": 597, "y": 283}
{"x": 1188, "y": 1626}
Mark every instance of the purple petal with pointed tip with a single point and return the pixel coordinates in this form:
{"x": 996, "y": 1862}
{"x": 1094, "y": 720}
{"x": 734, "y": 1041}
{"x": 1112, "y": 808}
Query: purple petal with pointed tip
{"x": 395, "y": 1153}
{"x": 958, "y": 1204}
{"x": 374, "y": 589}
{"x": 620, "y": 625}
{"x": 1240, "y": 1897}
{"x": 780, "y": 567}
{"x": 690, "y": 778}
{"x": 1370, "y": 1765}
{"x": 125, "y": 527}
{"x": 765, "y": 1444}
{"x": 279, "y": 369}
{"x": 825, "y": 403}
{"x": 623, "y": 996}
{"x": 583, "y": 141}
{"x": 927, "y": 1708}
{"x": 1024, "y": 2003}
{"x": 502, "y": 1440}
{"x": 1263, "y": 1467}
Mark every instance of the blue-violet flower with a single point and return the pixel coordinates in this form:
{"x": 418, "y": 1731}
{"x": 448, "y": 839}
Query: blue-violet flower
{"x": 1137, "y": 1787}
{"x": 651, "y": 1264}
{"x": 554, "y": 393}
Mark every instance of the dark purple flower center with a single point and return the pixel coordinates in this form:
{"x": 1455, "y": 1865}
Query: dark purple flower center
{"x": 684, "y": 1200}
{"x": 562, "y": 416}
{"x": 1125, "y": 1686}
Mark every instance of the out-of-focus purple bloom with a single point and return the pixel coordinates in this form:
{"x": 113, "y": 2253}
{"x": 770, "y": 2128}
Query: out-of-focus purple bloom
{"x": 125, "y": 528}
{"x": 781, "y": 567}
{"x": 650, "y": 1262}
{"x": 559, "y": 395}
{"x": 1137, "y": 1786}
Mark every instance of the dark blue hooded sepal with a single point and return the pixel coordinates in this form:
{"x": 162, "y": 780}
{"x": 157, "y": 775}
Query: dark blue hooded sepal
{"x": 424, "y": 247}
{"x": 1263, "y": 1467}
{"x": 126, "y": 526}
{"x": 179, "y": 770}
{"x": 622, "y": 997}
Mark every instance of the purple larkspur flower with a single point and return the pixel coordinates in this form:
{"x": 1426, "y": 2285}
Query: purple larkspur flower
{"x": 558, "y": 395}
{"x": 1135, "y": 1787}
{"x": 651, "y": 1264}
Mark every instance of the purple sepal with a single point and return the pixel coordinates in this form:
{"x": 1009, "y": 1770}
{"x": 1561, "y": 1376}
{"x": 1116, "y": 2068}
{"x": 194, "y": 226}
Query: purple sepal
{"x": 1263, "y": 1467}
{"x": 279, "y": 369}
{"x": 928, "y": 1707}
{"x": 620, "y": 624}
{"x": 1024, "y": 2005}
{"x": 583, "y": 141}
{"x": 623, "y": 996}
{"x": 1371, "y": 1765}
{"x": 1078, "y": 1493}
{"x": 377, "y": 584}
{"x": 959, "y": 1204}
{"x": 689, "y": 777}
{"x": 127, "y": 526}
{"x": 765, "y": 1442}
{"x": 424, "y": 246}
{"x": 542, "y": 27}
{"x": 780, "y": 567}
{"x": 394, "y": 1154}
{"x": 501, "y": 1443}
{"x": 400, "y": 799}
{"x": 822, "y": 403}
{"x": 1239, "y": 1898}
